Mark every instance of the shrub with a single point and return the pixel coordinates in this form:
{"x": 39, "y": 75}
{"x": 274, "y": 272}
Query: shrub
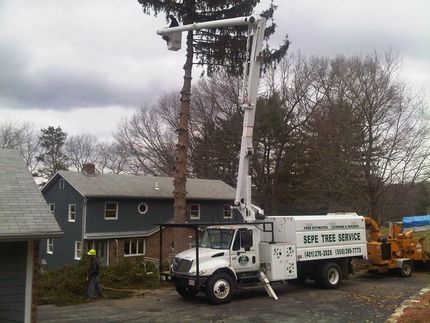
{"x": 67, "y": 285}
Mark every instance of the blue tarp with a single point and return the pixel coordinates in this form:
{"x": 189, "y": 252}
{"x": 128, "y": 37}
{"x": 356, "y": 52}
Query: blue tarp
{"x": 417, "y": 222}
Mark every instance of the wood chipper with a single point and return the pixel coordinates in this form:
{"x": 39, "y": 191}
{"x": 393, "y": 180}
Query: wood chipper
{"x": 399, "y": 250}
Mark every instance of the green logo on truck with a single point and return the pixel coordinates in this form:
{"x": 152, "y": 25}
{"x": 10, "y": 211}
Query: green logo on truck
{"x": 243, "y": 260}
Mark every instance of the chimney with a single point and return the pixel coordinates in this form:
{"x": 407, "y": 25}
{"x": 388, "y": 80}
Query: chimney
{"x": 89, "y": 169}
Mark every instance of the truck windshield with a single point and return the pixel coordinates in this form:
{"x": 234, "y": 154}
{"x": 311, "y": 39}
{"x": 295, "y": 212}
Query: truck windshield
{"x": 216, "y": 238}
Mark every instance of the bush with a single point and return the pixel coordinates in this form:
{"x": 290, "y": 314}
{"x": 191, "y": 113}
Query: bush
{"x": 67, "y": 285}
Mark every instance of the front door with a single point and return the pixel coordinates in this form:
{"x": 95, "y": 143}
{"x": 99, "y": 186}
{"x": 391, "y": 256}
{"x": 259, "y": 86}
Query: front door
{"x": 101, "y": 247}
{"x": 243, "y": 253}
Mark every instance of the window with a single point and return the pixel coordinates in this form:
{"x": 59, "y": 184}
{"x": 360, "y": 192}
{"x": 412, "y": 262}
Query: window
{"x": 61, "y": 184}
{"x": 195, "y": 211}
{"x": 50, "y": 246}
{"x": 243, "y": 240}
{"x": 78, "y": 250}
{"x": 52, "y": 208}
{"x": 134, "y": 247}
{"x": 142, "y": 208}
{"x": 227, "y": 212}
{"x": 111, "y": 210}
{"x": 72, "y": 212}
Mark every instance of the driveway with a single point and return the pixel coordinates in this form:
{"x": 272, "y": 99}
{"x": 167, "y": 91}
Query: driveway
{"x": 363, "y": 298}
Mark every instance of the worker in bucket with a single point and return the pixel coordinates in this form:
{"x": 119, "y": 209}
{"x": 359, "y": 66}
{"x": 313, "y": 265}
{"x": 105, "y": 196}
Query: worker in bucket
{"x": 93, "y": 276}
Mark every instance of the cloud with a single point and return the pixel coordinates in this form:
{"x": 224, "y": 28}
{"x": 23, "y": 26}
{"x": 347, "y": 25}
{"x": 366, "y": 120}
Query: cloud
{"x": 96, "y": 54}
{"x": 99, "y": 121}
{"x": 91, "y": 54}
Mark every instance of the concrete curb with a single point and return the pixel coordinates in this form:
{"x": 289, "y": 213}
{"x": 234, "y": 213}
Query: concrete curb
{"x": 407, "y": 303}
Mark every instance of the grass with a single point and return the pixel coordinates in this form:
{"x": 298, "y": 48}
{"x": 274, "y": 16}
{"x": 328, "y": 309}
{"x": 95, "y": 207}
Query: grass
{"x": 67, "y": 285}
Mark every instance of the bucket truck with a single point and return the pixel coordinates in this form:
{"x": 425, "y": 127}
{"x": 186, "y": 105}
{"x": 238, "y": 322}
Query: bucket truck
{"x": 262, "y": 249}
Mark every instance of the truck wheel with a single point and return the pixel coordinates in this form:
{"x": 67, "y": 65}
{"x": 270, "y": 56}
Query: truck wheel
{"x": 407, "y": 268}
{"x": 329, "y": 276}
{"x": 185, "y": 292}
{"x": 220, "y": 288}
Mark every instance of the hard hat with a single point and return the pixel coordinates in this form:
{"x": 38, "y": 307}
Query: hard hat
{"x": 91, "y": 252}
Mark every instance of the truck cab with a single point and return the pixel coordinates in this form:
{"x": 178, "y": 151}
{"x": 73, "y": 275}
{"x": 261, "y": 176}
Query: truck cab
{"x": 227, "y": 256}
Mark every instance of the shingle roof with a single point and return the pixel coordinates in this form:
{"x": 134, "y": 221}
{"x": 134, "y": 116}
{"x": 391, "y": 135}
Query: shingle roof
{"x": 122, "y": 185}
{"x": 24, "y": 212}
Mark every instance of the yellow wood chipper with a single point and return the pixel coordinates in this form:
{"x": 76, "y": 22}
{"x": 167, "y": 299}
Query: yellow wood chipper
{"x": 397, "y": 251}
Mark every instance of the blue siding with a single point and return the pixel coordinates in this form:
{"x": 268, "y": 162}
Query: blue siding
{"x": 13, "y": 269}
{"x": 64, "y": 249}
{"x": 211, "y": 211}
{"x": 129, "y": 218}
{"x": 159, "y": 211}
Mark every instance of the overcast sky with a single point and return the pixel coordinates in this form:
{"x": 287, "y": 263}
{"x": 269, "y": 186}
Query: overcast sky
{"x": 84, "y": 65}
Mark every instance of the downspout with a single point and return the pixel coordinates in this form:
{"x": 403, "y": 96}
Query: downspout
{"x": 84, "y": 221}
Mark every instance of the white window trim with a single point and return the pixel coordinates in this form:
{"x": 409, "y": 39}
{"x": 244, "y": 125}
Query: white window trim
{"x": 224, "y": 210}
{"x": 195, "y": 217}
{"x": 146, "y": 210}
{"x": 116, "y": 213}
{"x": 52, "y": 208}
{"x": 69, "y": 214}
{"x": 61, "y": 184}
{"x": 50, "y": 251}
{"x": 77, "y": 257}
{"x": 136, "y": 254}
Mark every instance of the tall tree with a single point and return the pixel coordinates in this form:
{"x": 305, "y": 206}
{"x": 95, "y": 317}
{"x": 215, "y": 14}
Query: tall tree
{"x": 212, "y": 48}
{"x": 114, "y": 157}
{"x": 395, "y": 131}
{"x": 369, "y": 135}
{"x": 52, "y": 157}
{"x": 22, "y": 137}
{"x": 149, "y": 141}
{"x": 81, "y": 149}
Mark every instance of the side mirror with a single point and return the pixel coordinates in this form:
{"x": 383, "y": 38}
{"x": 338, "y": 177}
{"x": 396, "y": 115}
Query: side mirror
{"x": 173, "y": 40}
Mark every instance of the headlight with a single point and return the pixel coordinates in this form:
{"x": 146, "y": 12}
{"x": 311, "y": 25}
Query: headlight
{"x": 201, "y": 272}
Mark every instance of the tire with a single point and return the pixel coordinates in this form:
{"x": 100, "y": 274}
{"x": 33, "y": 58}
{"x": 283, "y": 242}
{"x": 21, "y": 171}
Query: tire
{"x": 220, "y": 288}
{"x": 329, "y": 276}
{"x": 407, "y": 269}
{"x": 184, "y": 291}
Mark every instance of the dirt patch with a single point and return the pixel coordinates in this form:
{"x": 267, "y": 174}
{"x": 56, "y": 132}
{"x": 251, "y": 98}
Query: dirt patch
{"x": 419, "y": 311}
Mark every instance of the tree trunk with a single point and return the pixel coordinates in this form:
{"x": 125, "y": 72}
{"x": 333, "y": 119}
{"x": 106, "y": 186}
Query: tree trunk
{"x": 181, "y": 240}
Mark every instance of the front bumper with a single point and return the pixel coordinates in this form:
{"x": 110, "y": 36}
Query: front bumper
{"x": 188, "y": 281}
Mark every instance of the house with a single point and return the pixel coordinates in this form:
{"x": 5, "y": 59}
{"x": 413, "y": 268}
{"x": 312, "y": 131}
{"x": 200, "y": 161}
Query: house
{"x": 25, "y": 219}
{"x": 116, "y": 213}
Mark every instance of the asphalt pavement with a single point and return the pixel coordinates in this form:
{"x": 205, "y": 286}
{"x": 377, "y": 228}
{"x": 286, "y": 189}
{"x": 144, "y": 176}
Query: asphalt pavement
{"x": 363, "y": 298}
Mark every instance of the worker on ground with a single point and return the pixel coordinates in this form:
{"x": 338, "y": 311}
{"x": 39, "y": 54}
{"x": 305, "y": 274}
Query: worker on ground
{"x": 93, "y": 276}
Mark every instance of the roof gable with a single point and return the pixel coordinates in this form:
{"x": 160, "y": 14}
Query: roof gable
{"x": 24, "y": 212}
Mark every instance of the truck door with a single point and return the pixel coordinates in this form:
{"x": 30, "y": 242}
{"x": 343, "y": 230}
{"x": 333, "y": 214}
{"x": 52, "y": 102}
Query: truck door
{"x": 243, "y": 255}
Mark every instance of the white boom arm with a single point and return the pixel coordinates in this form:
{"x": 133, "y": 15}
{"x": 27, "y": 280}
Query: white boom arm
{"x": 251, "y": 76}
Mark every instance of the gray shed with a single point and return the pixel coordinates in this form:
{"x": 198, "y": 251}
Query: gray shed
{"x": 25, "y": 218}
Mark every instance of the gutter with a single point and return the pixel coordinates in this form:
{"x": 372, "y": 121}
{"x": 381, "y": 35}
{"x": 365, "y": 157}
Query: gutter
{"x": 29, "y": 236}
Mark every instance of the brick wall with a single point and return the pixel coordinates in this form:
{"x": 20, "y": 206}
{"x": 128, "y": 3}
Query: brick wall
{"x": 116, "y": 246}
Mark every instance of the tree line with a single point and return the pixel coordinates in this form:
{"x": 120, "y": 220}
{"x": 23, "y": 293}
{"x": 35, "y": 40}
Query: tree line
{"x": 340, "y": 134}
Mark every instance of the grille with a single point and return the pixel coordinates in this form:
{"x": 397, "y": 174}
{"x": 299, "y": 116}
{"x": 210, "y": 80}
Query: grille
{"x": 181, "y": 265}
